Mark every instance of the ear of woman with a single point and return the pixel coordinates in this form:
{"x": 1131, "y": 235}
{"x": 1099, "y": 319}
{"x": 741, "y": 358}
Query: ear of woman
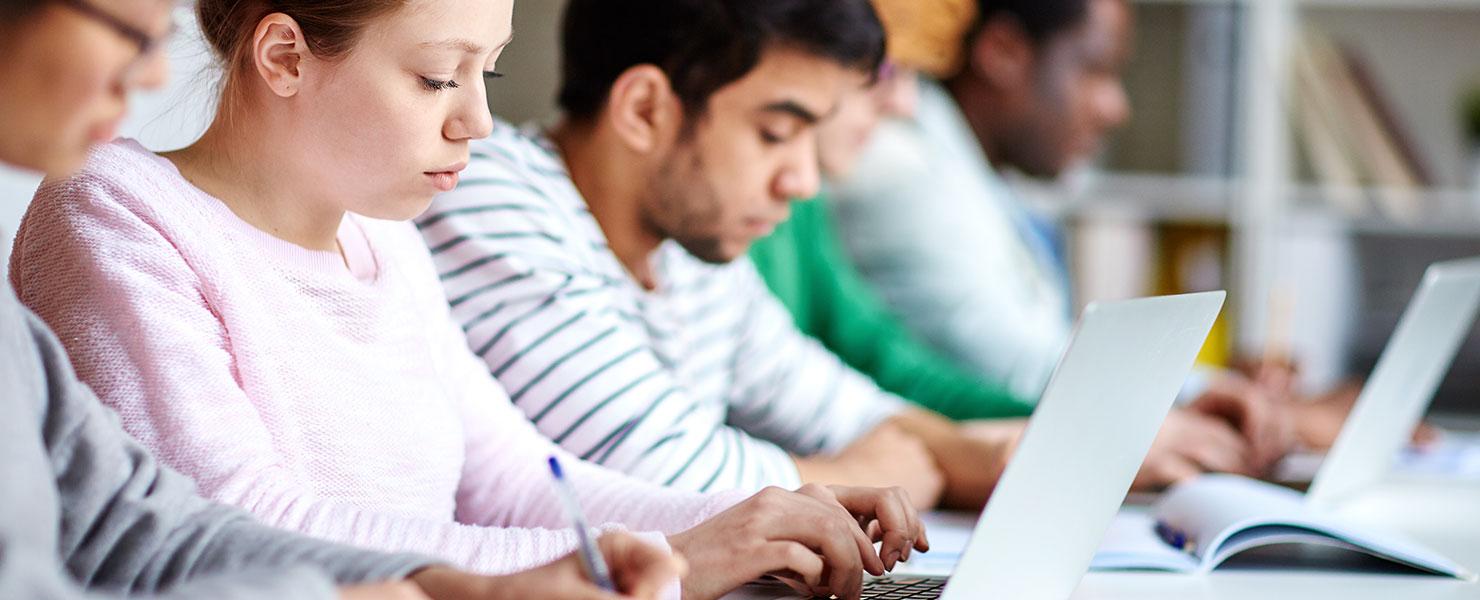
{"x": 280, "y": 54}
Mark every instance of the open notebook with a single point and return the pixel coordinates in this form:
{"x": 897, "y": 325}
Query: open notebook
{"x": 1198, "y": 525}
{"x": 1202, "y": 523}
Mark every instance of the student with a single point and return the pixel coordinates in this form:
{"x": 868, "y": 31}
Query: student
{"x": 259, "y": 313}
{"x": 1037, "y": 88}
{"x": 85, "y": 512}
{"x": 599, "y": 269}
{"x": 988, "y": 286}
{"x": 804, "y": 263}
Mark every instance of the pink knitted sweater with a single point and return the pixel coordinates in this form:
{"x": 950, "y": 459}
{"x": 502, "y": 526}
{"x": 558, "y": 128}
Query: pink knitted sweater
{"x": 341, "y": 403}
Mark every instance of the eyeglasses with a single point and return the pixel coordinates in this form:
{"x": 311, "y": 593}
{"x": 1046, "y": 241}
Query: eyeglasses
{"x": 147, "y": 44}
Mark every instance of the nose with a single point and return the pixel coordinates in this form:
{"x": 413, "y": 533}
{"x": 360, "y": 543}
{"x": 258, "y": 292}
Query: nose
{"x": 471, "y": 120}
{"x": 901, "y": 95}
{"x": 1114, "y": 105}
{"x": 800, "y": 175}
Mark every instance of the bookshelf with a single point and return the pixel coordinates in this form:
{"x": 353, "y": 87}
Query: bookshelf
{"x": 1217, "y": 140}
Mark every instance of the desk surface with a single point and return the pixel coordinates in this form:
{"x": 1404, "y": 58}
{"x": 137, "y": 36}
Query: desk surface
{"x": 1443, "y": 515}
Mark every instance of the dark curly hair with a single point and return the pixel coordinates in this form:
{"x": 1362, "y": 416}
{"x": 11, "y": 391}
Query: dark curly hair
{"x": 703, "y": 45}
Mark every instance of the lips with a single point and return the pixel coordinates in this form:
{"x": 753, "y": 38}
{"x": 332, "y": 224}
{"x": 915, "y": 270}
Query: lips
{"x": 445, "y": 180}
{"x": 760, "y": 228}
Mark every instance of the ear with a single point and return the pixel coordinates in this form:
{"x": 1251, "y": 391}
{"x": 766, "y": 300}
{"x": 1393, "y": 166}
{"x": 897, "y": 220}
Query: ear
{"x": 1002, "y": 54}
{"x": 642, "y": 109}
{"x": 278, "y": 54}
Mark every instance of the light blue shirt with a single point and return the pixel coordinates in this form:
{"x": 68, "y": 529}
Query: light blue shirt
{"x": 950, "y": 247}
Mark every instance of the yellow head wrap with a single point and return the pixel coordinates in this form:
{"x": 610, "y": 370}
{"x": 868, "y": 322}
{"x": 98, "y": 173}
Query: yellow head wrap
{"x": 928, "y": 35}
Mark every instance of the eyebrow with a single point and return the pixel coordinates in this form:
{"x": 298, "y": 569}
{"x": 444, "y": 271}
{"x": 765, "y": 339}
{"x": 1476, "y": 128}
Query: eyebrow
{"x": 792, "y": 108}
{"x": 465, "y": 45}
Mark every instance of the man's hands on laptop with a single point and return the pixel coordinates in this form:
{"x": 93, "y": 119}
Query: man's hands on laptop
{"x": 819, "y": 540}
{"x": 1235, "y": 426}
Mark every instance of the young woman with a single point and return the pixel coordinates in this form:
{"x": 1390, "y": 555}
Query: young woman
{"x": 259, "y": 313}
{"x": 95, "y": 516}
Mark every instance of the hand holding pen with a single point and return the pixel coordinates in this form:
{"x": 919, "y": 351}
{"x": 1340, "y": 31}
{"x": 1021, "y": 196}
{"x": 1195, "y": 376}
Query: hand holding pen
{"x": 643, "y": 565}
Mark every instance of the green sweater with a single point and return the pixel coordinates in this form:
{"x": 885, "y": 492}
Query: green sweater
{"x": 804, "y": 264}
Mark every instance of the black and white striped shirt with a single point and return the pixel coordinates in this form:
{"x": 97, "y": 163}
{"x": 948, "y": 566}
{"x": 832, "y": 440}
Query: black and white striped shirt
{"x": 704, "y": 384}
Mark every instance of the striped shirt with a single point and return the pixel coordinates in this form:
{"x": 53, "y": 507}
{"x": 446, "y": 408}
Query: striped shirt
{"x": 704, "y": 384}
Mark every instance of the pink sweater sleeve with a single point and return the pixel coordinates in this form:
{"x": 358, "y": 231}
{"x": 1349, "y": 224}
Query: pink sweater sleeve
{"x": 132, "y": 313}
{"x": 506, "y": 478}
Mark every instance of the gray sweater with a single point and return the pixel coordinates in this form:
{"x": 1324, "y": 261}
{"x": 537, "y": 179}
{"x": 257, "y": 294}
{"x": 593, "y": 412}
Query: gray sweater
{"x": 85, "y": 512}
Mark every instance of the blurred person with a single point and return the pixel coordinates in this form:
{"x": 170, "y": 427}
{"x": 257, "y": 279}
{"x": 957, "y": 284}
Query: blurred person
{"x": 942, "y": 236}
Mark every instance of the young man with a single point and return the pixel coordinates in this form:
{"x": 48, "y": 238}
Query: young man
{"x": 805, "y": 264}
{"x": 1037, "y": 89}
{"x": 599, "y": 269}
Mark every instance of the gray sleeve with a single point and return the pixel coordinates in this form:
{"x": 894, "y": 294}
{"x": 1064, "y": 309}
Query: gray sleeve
{"x": 130, "y": 526}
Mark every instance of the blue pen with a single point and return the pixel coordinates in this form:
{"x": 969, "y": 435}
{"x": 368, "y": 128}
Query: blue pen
{"x": 1175, "y": 537}
{"x": 591, "y": 557}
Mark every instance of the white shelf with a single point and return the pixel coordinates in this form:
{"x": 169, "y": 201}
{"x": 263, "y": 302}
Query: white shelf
{"x": 1447, "y": 214}
{"x": 1424, "y": 5}
{"x": 1160, "y": 199}
{"x": 1145, "y": 197}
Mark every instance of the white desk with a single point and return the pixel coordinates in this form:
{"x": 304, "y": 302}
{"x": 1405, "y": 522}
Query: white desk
{"x": 1446, "y": 516}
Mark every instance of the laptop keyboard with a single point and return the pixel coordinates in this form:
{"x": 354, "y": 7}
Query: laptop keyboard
{"x": 902, "y": 588}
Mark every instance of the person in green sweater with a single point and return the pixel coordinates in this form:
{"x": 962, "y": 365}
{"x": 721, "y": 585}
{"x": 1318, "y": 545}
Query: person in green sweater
{"x": 803, "y": 261}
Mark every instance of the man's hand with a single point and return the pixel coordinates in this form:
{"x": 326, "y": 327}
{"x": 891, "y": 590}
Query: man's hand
{"x": 818, "y": 539}
{"x": 972, "y": 457}
{"x": 1319, "y": 420}
{"x": 886, "y": 457}
{"x": 1189, "y": 444}
{"x": 1265, "y": 423}
{"x": 1000, "y": 433}
{"x": 639, "y": 570}
{"x": 884, "y": 515}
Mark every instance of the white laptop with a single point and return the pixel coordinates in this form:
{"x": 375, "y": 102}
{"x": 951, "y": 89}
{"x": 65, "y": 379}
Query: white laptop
{"x": 1076, "y": 461}
{"x": 1394, "y": 400}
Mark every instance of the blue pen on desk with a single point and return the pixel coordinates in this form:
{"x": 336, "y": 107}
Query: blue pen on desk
{"x": 1175, "y": 537}
{"x": 591, "y": 557}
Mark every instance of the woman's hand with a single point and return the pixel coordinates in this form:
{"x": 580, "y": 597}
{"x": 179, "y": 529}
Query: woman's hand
{"x": 639, "y": 570}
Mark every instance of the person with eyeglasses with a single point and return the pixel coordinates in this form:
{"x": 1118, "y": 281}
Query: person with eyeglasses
{"x": 85, "y": 511}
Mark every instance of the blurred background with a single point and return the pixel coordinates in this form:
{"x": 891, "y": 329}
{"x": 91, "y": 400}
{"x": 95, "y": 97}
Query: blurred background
{"x": 1310, "y": 156}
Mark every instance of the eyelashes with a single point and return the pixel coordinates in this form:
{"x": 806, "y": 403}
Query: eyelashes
{"x": 437, "y": 85}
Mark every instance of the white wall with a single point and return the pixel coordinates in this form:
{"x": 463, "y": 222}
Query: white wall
{"x": 531, "y": 64}
{"x": 15, "y": 192}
